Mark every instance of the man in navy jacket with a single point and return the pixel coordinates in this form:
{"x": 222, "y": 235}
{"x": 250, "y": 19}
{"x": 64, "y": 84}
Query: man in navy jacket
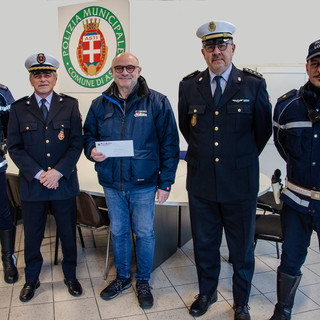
{"x": 225, "y": 117}
{"x": 45, "y": 143}
{"x": 7, "y": 229}
{"x": 129, "y": 110}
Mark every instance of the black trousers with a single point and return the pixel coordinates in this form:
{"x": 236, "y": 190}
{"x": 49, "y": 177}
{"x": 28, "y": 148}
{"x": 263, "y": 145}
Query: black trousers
{"x": 34, "y": 222}
{"x": 208, "y": 219}
{"x": 5, "y": 216}
{"x": 297, "y": 229}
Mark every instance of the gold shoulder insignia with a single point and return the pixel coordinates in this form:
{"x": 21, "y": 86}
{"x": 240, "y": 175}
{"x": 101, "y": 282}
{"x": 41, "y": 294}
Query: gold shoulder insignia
{"x": 287, "y": 95}
{"x": 253, "y": 72}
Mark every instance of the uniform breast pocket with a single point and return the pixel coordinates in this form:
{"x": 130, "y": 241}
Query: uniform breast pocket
{"x": 196, "y": 114}
{"x": 105, "y": 125}
{"x": 29, "y": 132}
{"x": 62, "y": 129}
{"x": 240, "y": 116}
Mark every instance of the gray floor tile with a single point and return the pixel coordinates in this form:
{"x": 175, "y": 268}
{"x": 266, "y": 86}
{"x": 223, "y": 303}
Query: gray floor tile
{"x": 174, "y": 285}
{"x": 182, "y": 275}
{"x": 5, "y": 296}
{"x": 4, "y": 313}
{"x": 77, "y": 309}
{"x": 29, "y": 311}
{"x": 177, "y": 314}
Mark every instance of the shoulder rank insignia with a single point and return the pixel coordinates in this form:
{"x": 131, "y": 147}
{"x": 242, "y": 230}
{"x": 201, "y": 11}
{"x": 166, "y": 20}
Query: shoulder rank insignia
{"x": 255, "y": 73}
{"x": 191, "y": 75}
{"x": 287, "y": 95}
{"x": 2, "y": 86}
{"x": 62, "y": 96}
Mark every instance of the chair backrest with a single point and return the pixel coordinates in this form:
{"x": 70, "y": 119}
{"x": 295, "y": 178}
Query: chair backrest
{"x": 13, "y": 184}
{"x": 266, "y": 202}
{"x": 88, "y": 212}
{"x": 268, "y": 227}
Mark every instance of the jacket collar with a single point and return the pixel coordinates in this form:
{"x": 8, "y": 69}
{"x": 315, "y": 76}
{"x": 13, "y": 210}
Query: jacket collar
{"x": 55, "y": 106}
{"x": 232, "y": 87}
{"x": 141, "y": 91}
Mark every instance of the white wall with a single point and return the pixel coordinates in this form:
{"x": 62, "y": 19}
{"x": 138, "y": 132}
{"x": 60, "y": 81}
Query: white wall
{"x": 269, "y": 34}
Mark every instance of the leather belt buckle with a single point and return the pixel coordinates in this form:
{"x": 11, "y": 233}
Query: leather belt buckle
{"x": 315, "y": 195}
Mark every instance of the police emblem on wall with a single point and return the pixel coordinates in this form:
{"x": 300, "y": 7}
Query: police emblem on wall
{"x": 91, "y": 39}
{"x": 92, "y": 49}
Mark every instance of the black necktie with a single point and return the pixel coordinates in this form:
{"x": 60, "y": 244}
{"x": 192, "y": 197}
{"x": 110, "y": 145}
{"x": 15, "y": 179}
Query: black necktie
{"x": 218, "y": 91}
{"x": 44, "y": 109}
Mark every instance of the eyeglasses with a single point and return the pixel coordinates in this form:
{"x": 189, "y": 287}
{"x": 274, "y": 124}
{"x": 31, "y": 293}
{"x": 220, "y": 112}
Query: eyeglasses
{"x": 221, "y": 46}
{"x": 130, "y": 68}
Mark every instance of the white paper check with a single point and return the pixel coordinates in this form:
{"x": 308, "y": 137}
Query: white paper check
{"x": 123, "y": 148}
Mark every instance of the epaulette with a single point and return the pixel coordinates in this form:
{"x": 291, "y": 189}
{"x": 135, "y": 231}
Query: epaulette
{"x": 191, "y": 75}
{"x": 21, "y": 99}
{"x": 254, "y": 73}
{"x": 287, "y": 95}
{"x": 2, "y": 86}
{"x": 62, "y": 95}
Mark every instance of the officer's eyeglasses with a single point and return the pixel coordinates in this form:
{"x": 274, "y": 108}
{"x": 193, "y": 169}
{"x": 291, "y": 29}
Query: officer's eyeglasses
{"x": 130, "y": 68}
{"x": 221, "y": 46}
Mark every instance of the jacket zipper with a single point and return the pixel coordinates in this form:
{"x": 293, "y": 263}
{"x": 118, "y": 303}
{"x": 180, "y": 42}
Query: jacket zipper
{"x": 122, "y": 133}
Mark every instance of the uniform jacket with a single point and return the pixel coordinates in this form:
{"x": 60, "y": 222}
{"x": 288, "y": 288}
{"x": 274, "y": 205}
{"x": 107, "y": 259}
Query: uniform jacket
{"x": 34, "y": 145}
{"x": 146, "y": 118}
{"x": 5, "y": 103}
{"x": 224, "y": 143}
{"x": 298, "y": 142}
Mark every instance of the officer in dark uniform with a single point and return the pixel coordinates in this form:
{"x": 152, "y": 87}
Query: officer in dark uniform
{"x": 44, "y": 141}
{"x": 7, "y": 229}
{"x": 225, "y": 117}
{"x": 297, "y": 138}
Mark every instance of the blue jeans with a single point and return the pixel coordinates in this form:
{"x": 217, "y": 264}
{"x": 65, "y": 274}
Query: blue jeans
{"x": 132, "y": 208}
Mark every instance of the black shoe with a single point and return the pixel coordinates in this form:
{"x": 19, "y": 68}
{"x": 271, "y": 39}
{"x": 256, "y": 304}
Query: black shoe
{"x": 28, "y": 290}
{"x": 74, "y": 287}
{"x": 114, "y": 288}
{"x": 241, "y": 313}
{"x": 145, "y": 297}
{"x": 202, "y": 303}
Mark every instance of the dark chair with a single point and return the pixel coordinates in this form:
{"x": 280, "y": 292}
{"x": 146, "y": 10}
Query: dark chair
{"x": 268, "y": 224}
{"x": 93, "y": 215}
